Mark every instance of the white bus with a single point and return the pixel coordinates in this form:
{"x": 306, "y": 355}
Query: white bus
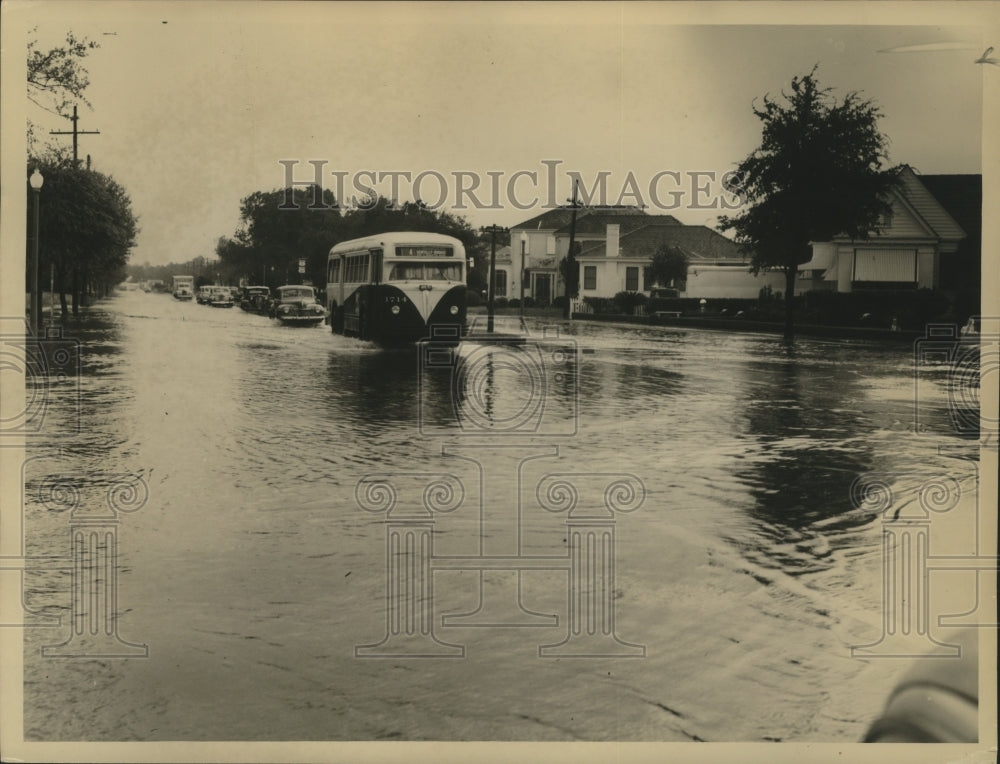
{"x": 396, "y": 287}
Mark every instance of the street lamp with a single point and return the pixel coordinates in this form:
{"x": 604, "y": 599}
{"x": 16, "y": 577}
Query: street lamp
{"x": 35, "y": 181}
{"x": 524, "y": 242}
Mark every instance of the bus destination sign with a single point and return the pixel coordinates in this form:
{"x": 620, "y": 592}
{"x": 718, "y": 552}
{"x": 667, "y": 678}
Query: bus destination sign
{"x": 427, "y": 250}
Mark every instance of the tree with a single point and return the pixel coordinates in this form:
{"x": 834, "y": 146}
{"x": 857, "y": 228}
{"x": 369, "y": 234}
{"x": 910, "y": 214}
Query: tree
{"x": 280, "y": 227}
{"x": 818, "y": 173}
{"x": 569, "y": 269}
{"x": 277, "y": 229}
{"x": 87, "y": 229}
{"x": 57, "y": 78}
{"x": 669, "y": 264}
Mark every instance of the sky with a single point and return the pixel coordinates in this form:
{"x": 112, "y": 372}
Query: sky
{"x": 198, "y": 104}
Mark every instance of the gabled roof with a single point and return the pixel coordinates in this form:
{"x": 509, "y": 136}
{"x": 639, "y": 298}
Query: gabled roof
{"x": 961, "y": 196}
{"x": 923, "y": 201}
{"x": 698, "y": 242}
{"x": 918, "y": 211}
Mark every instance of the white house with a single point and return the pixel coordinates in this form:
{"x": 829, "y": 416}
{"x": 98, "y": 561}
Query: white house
{"x": 505, "y": 277}
{"x": 543, "y": 241}
{"x": 917, "y": 240}
{"x": 618, "y": 260}
{"x": 922, "y": 245}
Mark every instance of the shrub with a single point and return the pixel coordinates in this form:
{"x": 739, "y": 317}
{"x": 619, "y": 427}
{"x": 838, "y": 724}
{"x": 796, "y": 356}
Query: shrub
{"x": 500, "y": 302}
{"x": 513, "y": 303}
{"x": 912, "y": 309}
{"x": 529, "y": 302}
{"x": 626, "y": 302}
{"x": 598, "y": 304}
{"x": 559, "y": 302}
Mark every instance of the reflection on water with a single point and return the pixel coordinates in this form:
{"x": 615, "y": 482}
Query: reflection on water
{"x": 807, "y": 450}
{"x": 747, "y": 572}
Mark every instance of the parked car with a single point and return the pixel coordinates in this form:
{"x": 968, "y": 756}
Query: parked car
{"x": 296, "y": 305}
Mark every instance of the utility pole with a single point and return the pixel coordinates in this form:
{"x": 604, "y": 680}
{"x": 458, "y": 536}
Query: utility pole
{"x": 570, "y": 257}
{"x": 491, "y": 284}
{"x": 75, "y": 132}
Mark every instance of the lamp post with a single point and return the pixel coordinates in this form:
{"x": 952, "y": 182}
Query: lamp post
{"x": 35, "y": 181}
{"x": 524, "y": 242}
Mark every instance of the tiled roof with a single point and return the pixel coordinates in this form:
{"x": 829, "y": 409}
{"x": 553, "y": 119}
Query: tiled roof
{"x": 597, "y": 221}
{"x": 560, "y": 217}
{"x": 698, "y": 242}
{"x": 550, "y": 219}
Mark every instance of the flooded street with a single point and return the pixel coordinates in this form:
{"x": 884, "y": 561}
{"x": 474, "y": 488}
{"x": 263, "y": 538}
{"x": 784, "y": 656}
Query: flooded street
{"x": 255, "y": 569}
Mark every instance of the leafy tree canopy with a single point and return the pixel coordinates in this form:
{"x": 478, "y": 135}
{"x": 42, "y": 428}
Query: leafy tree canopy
{"x": 819, "y": 172}
{"x": 668, "y": 264}
{"x": 87, "y": 227}
{"x": 57, "y": 78}
{"x": 279, "y": 227}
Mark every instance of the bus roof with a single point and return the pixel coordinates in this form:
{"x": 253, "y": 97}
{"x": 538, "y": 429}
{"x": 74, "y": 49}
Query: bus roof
{"x": 393, "y": 238}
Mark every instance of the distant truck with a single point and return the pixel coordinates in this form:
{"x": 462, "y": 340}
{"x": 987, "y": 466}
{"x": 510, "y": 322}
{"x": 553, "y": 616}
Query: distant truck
{"x": 184, "y": 287}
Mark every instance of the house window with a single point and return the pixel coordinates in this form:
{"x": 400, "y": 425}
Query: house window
{"x": 590, "y": 277}
{"x": 647, "y": 279}
{"x": 632, "y": 279}
{"x": 500, "y": 284}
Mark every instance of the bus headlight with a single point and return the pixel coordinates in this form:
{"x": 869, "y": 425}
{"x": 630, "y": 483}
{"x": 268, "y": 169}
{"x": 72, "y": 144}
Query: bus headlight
{"x": 453, "y": 310}
{"x": 395, "y": 310}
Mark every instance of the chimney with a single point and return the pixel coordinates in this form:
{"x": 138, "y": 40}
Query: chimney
{"x": 611, "y": 242}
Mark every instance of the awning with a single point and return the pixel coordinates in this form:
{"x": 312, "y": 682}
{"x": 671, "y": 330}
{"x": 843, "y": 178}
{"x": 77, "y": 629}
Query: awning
{"x": 822, "y": 258}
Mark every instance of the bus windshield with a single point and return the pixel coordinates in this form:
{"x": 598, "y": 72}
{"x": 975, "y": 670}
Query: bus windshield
{"x": 426, "y": 272}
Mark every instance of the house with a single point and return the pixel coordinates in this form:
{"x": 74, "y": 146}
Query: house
{"x": 617, "y": 244}
{"x": 716, "y": 267}
{"x": 541, "y": 242}
{"x": 533, "y": 247}
{"x": 505, "y": 277}
{"x": 930, "y": 240}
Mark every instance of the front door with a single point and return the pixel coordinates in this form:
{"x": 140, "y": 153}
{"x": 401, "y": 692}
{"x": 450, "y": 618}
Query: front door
{"x": 542, "y": 288}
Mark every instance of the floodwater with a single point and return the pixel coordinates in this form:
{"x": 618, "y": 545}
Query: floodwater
{"x": 254, "y": 563}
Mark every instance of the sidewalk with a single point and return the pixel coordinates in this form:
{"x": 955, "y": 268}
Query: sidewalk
{"x": 746, "y": 325}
